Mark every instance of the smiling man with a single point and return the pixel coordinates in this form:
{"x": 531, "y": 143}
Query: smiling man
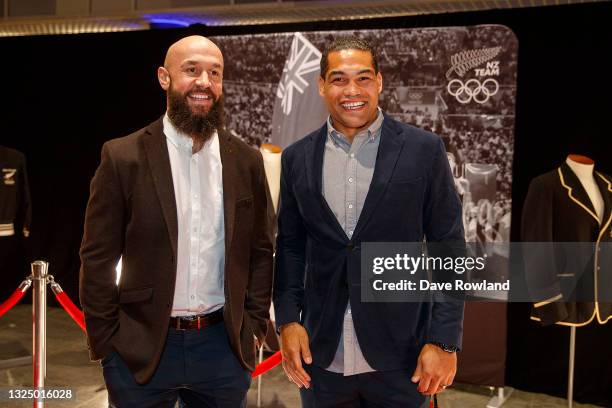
{"x": 362, "y": 177}
{"x": 186, "y": 206}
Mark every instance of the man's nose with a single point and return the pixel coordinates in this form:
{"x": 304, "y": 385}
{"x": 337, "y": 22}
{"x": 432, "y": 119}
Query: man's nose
{"x": 352, "y": 89}
{"x": 203, "y": 80}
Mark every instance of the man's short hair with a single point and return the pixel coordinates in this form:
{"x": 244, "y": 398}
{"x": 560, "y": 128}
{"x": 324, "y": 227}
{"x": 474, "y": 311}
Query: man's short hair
{"x": 347, "y": 43}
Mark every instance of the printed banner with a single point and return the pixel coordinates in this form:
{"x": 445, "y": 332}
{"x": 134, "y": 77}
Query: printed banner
{"x": 458, "y": 82}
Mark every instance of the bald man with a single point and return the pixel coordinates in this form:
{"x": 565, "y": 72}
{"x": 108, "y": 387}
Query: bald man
{"x": 186, "y": 207}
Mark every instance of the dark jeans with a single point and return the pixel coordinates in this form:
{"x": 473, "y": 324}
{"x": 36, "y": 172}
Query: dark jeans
{"x": 196, "y": 366}
{"x": 381, "y": 389}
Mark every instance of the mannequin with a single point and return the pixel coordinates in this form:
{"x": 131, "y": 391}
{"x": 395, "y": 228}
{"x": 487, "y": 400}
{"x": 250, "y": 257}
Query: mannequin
{"x": 583, "y": 167}
{"x": 570, "y": 204}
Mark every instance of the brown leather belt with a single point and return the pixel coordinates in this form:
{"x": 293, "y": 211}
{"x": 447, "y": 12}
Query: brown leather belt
{"x": 196, "y": 322}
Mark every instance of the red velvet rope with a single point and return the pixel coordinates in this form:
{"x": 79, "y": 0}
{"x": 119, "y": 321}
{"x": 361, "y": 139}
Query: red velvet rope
{"x": 71, "y": 309}
{"x": 11, "y": 301}
{"x": 268, "y": 364}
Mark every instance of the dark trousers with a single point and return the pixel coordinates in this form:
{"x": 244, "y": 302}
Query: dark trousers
{"x": 380, "y": 389}
{"x": 197, "y": 367}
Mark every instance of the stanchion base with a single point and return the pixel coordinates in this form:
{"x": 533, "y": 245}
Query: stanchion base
{"x": 503, "y": 393}
{"x": 15, "y": 362}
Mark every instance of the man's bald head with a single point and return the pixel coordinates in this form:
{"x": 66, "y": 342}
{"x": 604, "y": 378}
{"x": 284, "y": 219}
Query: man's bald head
{"x": 194, "y": 44}
{"x": 192, "y": 77}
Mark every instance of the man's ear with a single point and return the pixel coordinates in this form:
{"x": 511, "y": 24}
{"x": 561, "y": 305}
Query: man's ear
{"x": 321, "y": 85}
{"x": 163, "y": 76}
{"x": 380, "y": 82}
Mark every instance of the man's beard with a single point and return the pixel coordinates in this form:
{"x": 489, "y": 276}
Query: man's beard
{"x": 200, "y": 125}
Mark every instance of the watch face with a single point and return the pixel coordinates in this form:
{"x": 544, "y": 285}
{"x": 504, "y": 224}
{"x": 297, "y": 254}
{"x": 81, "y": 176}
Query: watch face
{"x": 446, "y": 347}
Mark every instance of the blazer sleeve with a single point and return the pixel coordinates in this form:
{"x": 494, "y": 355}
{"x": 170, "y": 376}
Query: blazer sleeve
{"x": 290, "y": 263}
{"x": 257, "y": 303}
{"x": 539, "y": 261}
{"x": 443, "y": 223}
{"x": 101, "y": 249}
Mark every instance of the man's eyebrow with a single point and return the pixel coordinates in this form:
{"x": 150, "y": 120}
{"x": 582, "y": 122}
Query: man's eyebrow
{"x": 363, "y": 71}
{"x": 366, "y": 71}
{"x": 336, "y": 73}
{"x": 195, "y": 62}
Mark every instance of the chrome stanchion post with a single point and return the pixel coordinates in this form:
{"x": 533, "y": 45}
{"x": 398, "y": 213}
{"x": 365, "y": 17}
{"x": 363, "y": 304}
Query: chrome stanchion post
{"x": 39, "y": 320}
{"x": 570, "y": 374}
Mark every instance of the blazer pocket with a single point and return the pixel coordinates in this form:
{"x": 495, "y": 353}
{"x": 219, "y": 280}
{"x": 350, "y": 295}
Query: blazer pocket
{"x": 244, "y": 202}
{"x": 404, "y": 185}
{"x": 135, "y": 295}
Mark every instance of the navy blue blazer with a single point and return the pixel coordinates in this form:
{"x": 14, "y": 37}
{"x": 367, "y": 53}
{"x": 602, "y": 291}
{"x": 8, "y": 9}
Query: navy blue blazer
{"x": 411, "y": 197}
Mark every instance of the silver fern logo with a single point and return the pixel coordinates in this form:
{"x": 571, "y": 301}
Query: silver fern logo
{"x": 8, "y": 175}
{"x": 462, "y": 62}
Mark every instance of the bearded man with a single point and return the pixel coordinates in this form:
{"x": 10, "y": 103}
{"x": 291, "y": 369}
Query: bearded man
{"x": 186, "y": 207}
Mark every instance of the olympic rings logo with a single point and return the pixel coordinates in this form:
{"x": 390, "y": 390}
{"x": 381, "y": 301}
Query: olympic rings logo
{"x": 473, "y": 89}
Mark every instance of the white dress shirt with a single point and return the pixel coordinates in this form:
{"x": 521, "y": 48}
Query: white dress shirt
{"x": 198, "y": 190}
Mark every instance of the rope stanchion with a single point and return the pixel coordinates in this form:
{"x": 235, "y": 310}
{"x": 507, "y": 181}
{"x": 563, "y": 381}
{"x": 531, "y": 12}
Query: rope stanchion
{"x": 9, "y": 303}
{"x": 67, "y": 303}
{"x": 268, "y": 364}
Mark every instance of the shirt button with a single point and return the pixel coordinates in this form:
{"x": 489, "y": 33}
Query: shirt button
{"x": 195, "y": 196}
{"x": 352, "y": 155}
{"x": 350, "y": 179}
{"x": 192, "y": 297}
{"x": 350, "y": 206}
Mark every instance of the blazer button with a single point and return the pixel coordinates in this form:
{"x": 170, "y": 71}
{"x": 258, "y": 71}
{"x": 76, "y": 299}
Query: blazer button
{"x": 350, "y": 247}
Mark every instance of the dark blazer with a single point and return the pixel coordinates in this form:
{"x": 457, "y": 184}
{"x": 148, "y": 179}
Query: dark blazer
{"x": 571, "y": 285}
{"x": 132, "y": 213}
{"x": 15, "y": 204}
{"x": 411, "y": 196}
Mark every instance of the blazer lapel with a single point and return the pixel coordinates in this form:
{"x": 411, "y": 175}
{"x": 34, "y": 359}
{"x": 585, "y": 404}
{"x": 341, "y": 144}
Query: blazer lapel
{"x": 159, "y": 165}
{"x": 605, "y": 187}
{"x": 388, "y": 152}
{"x": 314, "y": 152}
{"x": 575, "y": 191}
{"x": 229, "y": 175}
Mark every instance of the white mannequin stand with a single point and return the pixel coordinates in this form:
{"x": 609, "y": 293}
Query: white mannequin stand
{"x": 503, "y": 393}
{"x": 271, "y": 155}
{"x": 583, "y": 167}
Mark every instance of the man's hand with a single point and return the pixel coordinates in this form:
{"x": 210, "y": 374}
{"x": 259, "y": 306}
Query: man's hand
{"x": 435, "y": 370}
{"x": 294, "y": 348}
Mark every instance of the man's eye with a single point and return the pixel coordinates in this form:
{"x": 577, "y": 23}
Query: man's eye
{"x": 215, "y": 74}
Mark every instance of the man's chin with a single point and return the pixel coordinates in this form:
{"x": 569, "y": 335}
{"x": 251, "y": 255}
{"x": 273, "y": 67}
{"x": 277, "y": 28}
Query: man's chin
{"x": 198, "y": 109}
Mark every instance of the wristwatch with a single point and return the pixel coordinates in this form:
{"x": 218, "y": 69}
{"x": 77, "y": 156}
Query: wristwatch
{"x": 446, "y": 347}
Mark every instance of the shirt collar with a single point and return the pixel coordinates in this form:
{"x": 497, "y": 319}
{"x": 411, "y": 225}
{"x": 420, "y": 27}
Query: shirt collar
{"x": 373, "y": 131}
{"x": 180, "y": 139}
